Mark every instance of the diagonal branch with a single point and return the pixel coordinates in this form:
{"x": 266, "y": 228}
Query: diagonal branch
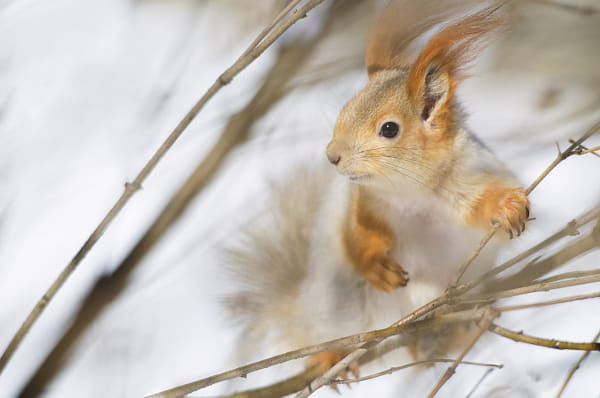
{"x": 353, "y": 340}
{"x": 483, "y": 324}
{"x": 131, "y": 188}
{"x": 290, "y": 60}
{"x": 571, "y": 150}
{"x": 550, "y": 343}
{"x": 409, "y": 365}
{"x": 575, "y": 367}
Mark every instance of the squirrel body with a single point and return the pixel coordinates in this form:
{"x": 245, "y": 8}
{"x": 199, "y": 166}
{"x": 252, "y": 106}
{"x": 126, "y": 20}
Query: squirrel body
{"x": 349, "y": 251}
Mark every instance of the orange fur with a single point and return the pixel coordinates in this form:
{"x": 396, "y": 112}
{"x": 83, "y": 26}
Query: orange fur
{"x": 400, "y": 24}
{"x": 499, "y": 203}
{"x": 453, "y": 48}
{"x": 323, "y": 361}
{"x": 368, "y": 242}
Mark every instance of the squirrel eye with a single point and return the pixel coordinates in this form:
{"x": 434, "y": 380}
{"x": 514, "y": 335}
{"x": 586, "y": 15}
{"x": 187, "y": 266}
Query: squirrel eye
{"x": 389, "y": 129}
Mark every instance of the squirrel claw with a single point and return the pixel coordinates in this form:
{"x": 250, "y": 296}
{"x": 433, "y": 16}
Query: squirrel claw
{"x": 385, "y": 274}
{"x": 512, "y": 212}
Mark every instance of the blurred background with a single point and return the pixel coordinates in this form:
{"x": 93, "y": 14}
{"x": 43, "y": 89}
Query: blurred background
{"x": 89, "y": 90}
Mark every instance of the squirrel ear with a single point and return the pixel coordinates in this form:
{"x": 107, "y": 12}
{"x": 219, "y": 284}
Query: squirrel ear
{"x": 435, "y": 92}
{"x": 390, "y": 41}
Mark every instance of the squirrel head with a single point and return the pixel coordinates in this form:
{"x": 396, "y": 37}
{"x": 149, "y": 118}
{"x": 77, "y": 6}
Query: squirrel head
{"x": 401, "y": 127}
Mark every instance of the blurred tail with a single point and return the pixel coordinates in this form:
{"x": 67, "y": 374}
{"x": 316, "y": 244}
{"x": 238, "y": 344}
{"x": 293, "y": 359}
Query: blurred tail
{"x": 269, "y": 261}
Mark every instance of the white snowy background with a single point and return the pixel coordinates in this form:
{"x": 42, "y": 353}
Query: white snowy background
{"x": 88, "y": 91}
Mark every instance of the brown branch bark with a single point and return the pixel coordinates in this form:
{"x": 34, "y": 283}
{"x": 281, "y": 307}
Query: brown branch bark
{"x": 280, "y": 389}
{"x": 550, "y": 343}
{"x": 571, "y": 150}
{"x": 289, "y": 62}
{"x": 412, "y": 364}
{"x": 546, "y": 303}
{"x": 483, "y": 324}
{"x": 575, "y": 367}
{"x": 540, "y": 267}
{"x": 130, "y": 188}
{"x": 107, "y": 289}
{"x": 353, "y": 340}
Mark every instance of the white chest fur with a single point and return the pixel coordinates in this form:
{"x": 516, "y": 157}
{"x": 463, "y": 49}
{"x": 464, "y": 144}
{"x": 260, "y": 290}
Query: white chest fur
{"x": 431, "y": 245}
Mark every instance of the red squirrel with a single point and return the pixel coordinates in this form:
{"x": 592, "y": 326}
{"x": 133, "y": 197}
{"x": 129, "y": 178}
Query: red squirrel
{"x": 414, "y": 192}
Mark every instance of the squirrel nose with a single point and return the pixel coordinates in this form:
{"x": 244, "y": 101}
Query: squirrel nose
{"x": 334, "y": 158}
{"x": 333, "y": 153}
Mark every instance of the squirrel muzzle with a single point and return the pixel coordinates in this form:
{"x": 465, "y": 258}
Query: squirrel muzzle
{"x": 334, "y": 152}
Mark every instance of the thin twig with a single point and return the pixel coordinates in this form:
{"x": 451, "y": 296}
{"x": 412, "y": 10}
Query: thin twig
{"x": 546, "y": 303}
{"x": 571, "y": 229}
{"x": 539, "y": 267}
{"x": 270, "y": 27}
{"x": 281, "y": 388}
{"x": 575, "y": 367}
{"x": 463, "y": 268}
{"x": 353, "y": 340}
{"x": 481, "y": 379}
{"x": 541, "y": 287}
{"x": 560, "y": 157}
{"x": 550, "y": 343}
{"x": 570, "y": 275}
{"x": 131, "y": 188}
{"x": 409, "y": 365}
{"x": 290, "y": 60}
{"x": 355, "y": 355}
{"x": 582, "y": 150}
{"x": 487, "y": 318}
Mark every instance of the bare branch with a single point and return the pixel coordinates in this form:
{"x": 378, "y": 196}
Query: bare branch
{"x": 561, "y": 156}
{"x": 487, "y": 318}
{"x": 279, "y": 389}
{"x": 449, "y": 297}
{"x": 575, "y": 367}
{"x": 290, "y": 61}
{"x": 130, "y": 188}
{"x": 353, "y": 340}
{"x": 542, "y": 287}
{"x": 463, "y": 268}
{"x": 355, "y": 355}
{"x": 540, "y": 267}
{"x": 545, "y": 303}
{"x": 550, "y": 343}
{"x": 582, "y": 150}
{"x": 571, "y": 229}
{"x": 570, "y": 275}
{"x": 409, "y": 365}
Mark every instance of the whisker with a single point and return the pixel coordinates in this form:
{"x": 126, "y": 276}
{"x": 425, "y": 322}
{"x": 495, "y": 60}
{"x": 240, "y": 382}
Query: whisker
{"x": 416, "y": 161}
{"x": 408, "y": 173}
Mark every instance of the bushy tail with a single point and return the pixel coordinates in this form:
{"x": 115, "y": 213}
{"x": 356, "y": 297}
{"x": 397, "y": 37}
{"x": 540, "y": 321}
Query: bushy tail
{"x": 269, "y": 261}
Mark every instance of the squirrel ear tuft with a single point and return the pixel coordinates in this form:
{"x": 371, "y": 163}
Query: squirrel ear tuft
{"x": 435, "y": 92}
{"x": 401, "y": 22}
{"x": 453, "y": 48}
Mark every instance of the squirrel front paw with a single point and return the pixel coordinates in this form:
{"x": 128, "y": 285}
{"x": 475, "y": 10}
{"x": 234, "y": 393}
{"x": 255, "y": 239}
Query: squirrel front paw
{"x": 384, "y": 273}
{"x": 512, "y": 211}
